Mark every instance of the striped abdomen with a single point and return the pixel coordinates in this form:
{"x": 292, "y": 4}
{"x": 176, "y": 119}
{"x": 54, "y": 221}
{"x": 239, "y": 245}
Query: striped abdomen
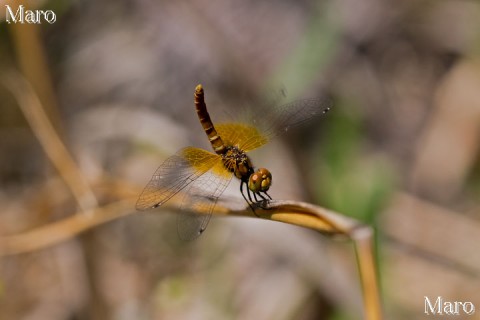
{"x": 204, "y": 117}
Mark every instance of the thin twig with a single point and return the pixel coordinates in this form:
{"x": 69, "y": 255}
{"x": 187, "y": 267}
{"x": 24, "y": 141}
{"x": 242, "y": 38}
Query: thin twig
{"x": 49, "y": 139}
{"x": 32, "y": 61}
{"x": 364, "y": 247}
{"x": 62, "y": 230}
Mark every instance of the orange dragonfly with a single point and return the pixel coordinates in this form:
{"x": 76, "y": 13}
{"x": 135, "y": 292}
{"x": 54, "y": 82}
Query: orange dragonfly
{"x": 206, "y": 175}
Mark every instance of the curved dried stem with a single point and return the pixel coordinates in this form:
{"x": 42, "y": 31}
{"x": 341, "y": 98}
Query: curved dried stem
{"x": 43, "y": 129}
{"x": 293, "y": 212}
{"x": 59, "y": 231}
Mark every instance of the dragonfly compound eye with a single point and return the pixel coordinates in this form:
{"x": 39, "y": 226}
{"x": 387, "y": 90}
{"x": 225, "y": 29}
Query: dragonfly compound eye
{"x": 260, "y": 181}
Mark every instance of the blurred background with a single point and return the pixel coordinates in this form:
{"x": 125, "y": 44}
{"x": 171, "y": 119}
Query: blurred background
{"x": 399, "y": 151}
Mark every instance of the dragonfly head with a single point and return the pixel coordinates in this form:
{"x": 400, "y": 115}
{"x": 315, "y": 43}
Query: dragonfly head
{"x": 260, "y": 181}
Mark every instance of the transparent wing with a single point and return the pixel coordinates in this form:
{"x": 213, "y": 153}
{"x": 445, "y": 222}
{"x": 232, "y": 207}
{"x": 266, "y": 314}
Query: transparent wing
{"x": 267, "y": 123}
{"x": 293, "y": 114}
{"x": 199, "y": 201}
{"x": 174, "y": 174}
{"x": 246, "y": 137}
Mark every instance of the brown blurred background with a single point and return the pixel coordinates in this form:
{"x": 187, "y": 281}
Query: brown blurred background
{"x": 399, "y": 151}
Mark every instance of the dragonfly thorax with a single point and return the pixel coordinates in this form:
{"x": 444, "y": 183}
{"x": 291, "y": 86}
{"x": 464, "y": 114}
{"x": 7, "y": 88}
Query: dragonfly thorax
{"x": 237, "y": 161}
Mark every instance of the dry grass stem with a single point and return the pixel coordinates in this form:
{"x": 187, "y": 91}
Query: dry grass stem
{"x": 52, "y": 144}
{"x": 293, "y": 212}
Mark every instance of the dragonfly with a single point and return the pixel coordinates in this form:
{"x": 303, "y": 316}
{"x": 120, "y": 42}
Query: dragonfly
{"x": 205, "y": 175}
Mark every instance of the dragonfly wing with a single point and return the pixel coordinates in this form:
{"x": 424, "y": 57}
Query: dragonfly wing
{"x": 281, "y": 119}
{"x": 199, "y": 201}
{"x": 270, "y": 123}
{"x": 174, "y": 174}
{"x": 245, "y": 136}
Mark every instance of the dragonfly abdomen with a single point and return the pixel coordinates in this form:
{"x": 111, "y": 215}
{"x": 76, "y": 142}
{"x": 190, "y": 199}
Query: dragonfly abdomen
{"x": 207, "y": 124}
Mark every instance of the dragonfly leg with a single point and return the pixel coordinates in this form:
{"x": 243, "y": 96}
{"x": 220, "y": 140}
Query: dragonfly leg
{"x": 261, "y": 196}
{"x": 249, "y": 197}
{"x": 264, "y": 198}
{"x": 241, "y": 191}
{"x": 268, "y": 195}
{"x": 249, "y": 201}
